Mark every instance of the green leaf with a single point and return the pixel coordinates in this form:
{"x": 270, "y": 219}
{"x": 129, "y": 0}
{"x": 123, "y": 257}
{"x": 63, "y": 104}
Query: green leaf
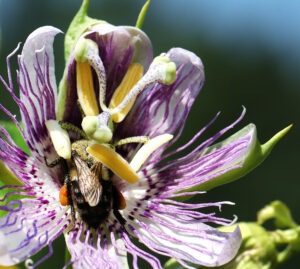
{"x": 80, "y": 23}
{"x": 142, "y": 15}
{"x": 172, "y": 264}
{"x": 67, "y": 257}
{"x": 256, "y": 154}
{"x": 7, "y": 178}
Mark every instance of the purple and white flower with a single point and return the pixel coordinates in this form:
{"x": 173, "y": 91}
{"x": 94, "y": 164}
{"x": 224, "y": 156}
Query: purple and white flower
{"x": 152, "y": 214}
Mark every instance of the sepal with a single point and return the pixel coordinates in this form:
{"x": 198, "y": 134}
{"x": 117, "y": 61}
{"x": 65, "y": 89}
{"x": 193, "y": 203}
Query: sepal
{"x": 80, "y": 23}
{"x": 142, "y": 15}
{"x": 255, "y": 155}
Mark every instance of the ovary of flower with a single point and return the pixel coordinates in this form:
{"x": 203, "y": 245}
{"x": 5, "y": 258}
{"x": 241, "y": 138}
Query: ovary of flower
{"x": 60, "y": 139}
{"x": 133, "y": 75}
{"x": 147, "y": 149}
{"x": 97, "y": 127}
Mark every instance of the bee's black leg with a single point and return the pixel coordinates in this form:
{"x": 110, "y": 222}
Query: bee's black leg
{"x": 67, "y": 180}
{"x": 119, "y": 217}
{"x": 68, "y": 183}
{"x": 56, "y": 162}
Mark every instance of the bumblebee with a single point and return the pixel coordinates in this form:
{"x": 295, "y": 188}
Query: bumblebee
{"x": 88, "y": 189}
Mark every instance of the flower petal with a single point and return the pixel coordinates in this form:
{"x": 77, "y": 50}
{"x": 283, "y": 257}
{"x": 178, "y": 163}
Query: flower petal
{"x": 196, "y": 243}
{"x": 164, "y": 108}
{"x": 30, "y": 225}
{"x": 254, "y": 154}
{"x": 38, "y": 89}
{"x": 200, "y": 166}
{"x": 31, "y": 171}
{"x": 104, "y": 254}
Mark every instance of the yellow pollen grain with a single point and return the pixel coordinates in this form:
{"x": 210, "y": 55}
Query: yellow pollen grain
{"x": 109, "y": 158}
{"x": 132, "y": 76}
{"x": 85, "y": 89}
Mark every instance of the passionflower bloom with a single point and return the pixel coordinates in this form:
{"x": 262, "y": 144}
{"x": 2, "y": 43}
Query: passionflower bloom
{"x": 129, "y": 109}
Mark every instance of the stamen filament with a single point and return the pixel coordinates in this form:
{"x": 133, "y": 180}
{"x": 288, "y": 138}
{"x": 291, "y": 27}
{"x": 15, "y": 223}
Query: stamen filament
{"x": 70, "y": 127}
{"x": 134, "y": 139}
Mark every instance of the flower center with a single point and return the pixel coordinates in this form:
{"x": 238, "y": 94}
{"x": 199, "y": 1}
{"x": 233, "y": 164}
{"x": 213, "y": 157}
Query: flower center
{"x": 97, "y": 128}
{"x": 89, "y": 191}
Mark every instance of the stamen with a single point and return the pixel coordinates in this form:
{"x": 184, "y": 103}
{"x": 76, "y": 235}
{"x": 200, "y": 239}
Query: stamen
{"x": 86, "y": 50}
{"x": 132, "y": 76}
{"x": 109, "y": 158}
{"x": 60, "y": 139}
{"x": 146, "y": 150}
{"x": 161, "y": 70}
{"x": 85, "y": 89}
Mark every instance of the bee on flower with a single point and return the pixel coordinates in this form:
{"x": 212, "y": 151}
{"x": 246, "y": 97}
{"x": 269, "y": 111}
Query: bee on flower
{"x": 98, "y": 171}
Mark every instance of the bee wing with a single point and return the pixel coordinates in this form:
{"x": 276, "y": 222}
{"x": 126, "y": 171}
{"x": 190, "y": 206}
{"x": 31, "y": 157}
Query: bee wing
{"x": 88, "y": 180}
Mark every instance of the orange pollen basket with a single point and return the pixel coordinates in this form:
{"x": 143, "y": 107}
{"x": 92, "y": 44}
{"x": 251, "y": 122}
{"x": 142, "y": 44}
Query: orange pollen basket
{"x": 63, "y": 195}
{"x": 122, "y": 201}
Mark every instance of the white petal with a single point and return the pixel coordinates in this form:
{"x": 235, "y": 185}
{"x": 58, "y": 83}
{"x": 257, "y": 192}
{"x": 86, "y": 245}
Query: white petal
{"x": 202, "y": 244}
{"x": 28, "y": 228}
{"x": 84, "y": 255}
{"x": 5, "y": 258}
{"x": 38, "y": 88}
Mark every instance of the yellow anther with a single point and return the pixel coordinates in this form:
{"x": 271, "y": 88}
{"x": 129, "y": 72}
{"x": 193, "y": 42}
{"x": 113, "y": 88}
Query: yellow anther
{"x": 109, "y": 158}
{"x": 60, "y": 138}
{"x": 85, "y": 89}
{"x": 132, "y": 76}
{"x": 147, "y": 149}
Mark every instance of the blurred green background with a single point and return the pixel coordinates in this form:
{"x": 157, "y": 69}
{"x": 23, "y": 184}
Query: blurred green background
{"x": 250, "y": 50}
